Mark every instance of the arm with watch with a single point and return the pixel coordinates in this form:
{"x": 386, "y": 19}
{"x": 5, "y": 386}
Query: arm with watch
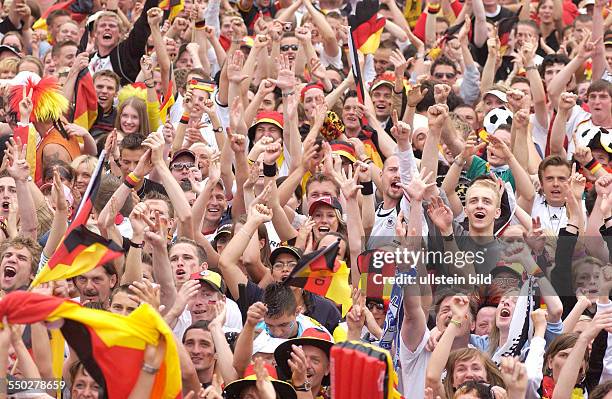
{"x": 521, "y": 253}
{"x": 133, "y": 260}
{"x": 460, "y": 306}
{"x": 463, "y": 161}
{"x": 182, "y": 210}
{"x": 153, "y": 358}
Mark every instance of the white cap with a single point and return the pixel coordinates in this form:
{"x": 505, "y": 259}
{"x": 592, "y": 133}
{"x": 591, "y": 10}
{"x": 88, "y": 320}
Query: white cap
{"x": 22, "y": 77}
{"x": 419, "y": 122}
{"x": 497, "y": 93}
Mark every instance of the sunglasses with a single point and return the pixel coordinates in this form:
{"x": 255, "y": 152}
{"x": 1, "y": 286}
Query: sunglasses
{"x": 442, "y": 75}
{"x": 375, "y": 305}
{"x": 182, "y": 165}
{"x": 286, "y": 47}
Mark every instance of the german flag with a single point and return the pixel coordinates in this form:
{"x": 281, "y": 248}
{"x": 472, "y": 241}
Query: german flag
{"x": 67, "y": 5}
{"x": 173, "y": 7}
{"x": 85, "y": 100}
{"x": 166, "y": 103}
{"x": 366, "y": 26}
{"x": 110, "y": 346}
{"x": 371, "y": 264}
{"x": 504, "y": 27}
{"x": 320, "y": 273}
{"x": 81, "y": 250}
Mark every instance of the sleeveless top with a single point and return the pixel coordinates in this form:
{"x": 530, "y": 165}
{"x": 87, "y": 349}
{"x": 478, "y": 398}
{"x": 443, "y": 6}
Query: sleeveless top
{"x": 54, "y": 137}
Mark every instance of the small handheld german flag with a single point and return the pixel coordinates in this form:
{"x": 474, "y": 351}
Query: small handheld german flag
{"x": 320, "y": 273}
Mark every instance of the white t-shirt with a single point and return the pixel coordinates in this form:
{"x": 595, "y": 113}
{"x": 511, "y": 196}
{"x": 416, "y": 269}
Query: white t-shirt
{"x": 303, "y": 322}
{"x": 414, "y": 368}
{"x": 552, "y": 218}
{"x": 98, "y": 63}
{"x": 540, "y": 133}
{"x": 233, "y": 320}
{"x": 327, "y": 60}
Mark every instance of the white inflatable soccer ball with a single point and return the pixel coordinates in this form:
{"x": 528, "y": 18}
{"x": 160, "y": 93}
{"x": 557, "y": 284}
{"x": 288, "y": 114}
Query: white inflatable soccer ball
{"x": 495, "y": 118}
{"x": 586, "y": 132}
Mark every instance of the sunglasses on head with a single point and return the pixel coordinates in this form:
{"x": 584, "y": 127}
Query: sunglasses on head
{"x": 182, "y": 165}
{"x": 286, "y": 47}
{"x": 442, "y": 75}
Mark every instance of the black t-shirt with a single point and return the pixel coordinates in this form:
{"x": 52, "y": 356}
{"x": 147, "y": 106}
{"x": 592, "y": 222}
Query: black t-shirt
{"x": 104, "y": 124}
{"x": 148, "y": 186}
{"x": 317, "y": 307}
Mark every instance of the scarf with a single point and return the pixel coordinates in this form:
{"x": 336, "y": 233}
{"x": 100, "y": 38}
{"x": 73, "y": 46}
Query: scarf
{"x": 393, "y": 320}
{"x": 548, "y": 386}
{"x": 521, "y": 328}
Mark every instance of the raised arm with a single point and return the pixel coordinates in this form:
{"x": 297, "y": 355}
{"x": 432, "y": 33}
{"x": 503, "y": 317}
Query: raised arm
{"x": 536, "y": 84}
{"x": 480, "y": 25}
{"x": 182, "y": 210}
{"x": 228, "y": 264}
{"x": 156, "y": 236}
{"x": 60, "y": 217}
{"x": 558, "y": 84}
{"x": 330, "y": 44}
{"x": 571, "y": 369}
{"x": 133, "y": 260}
{"x": 460, "y": 309}
{"x": 524, "y": 188}
{"x": 567, "y": 101}
{"x": 599, "y": 59}
{"x": 19, "y": 170}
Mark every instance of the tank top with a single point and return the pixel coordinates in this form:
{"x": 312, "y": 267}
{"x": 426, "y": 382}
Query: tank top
{"x": 54, "y": 137}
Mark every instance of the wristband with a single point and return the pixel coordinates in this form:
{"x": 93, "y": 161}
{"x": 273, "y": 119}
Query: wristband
{"x": 572, "y": 225}
{"x": 132, "y": 179}
{"x": 537, "y": 272}
{"x": 456, "y": 322}
{"x": 433, "y": 8}
{"x": 606, "y": 220}
{"x": 398, "y": 92}
{"x": 590, "y": 164}
{"x": 136, "y": 245}
{"x": 218, "y": 129}
{"x": 200, "y": 24}
{"x": 149, "y": 369}
{"x": 289, "y": 93}
{"x": 269, "y": 170}
{"x": 135, "y": 178}
{"x": 595, "y": 168}
{"x": 250, "y": 162}
{"x": 368, "y": 188}
{"x": 129, "y": 184}
{"x": 450, "y": 237}
{"x": 184, "y": 119}
{"x": 531, "y": 68}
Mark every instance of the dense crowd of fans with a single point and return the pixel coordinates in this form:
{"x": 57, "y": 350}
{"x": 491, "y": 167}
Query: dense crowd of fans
{"x": 237, "y": 137}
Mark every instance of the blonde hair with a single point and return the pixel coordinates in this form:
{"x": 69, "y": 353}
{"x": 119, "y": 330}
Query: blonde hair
{"x": 486, "y": 183}
{"x": 89, "y": 160}
{"x": 9, "y": 64}
{"x": 108, "y": 14}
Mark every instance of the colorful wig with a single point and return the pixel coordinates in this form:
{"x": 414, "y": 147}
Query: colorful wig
{"x": 47, "y": 98}
{"x": 134, "y": 90}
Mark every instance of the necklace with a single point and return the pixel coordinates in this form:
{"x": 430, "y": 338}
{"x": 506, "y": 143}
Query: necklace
{"x": 550, "y": 218}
